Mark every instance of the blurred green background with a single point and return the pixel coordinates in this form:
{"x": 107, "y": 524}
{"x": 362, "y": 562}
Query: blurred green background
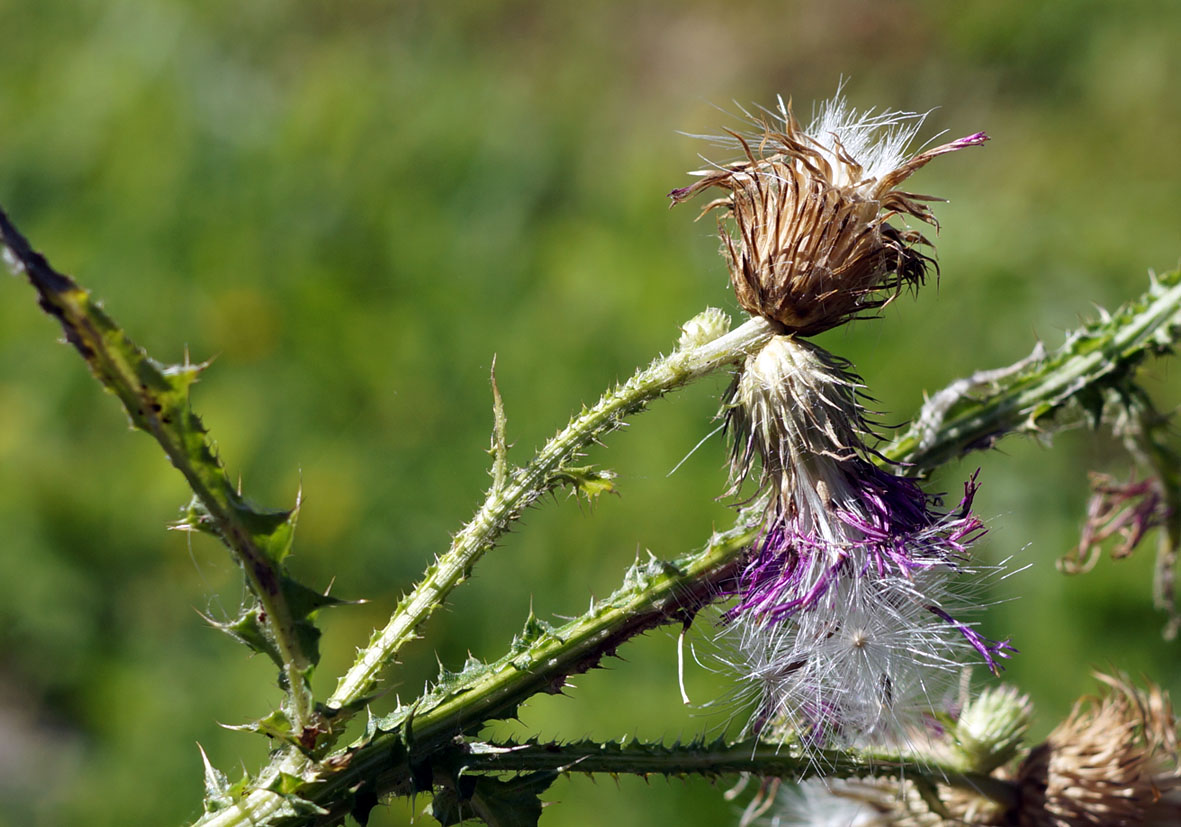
{"x": 353, "y": 206}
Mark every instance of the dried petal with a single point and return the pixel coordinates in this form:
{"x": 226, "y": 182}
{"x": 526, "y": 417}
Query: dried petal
{"x": 812, "y": 246}
{"x": 1114, "y": 761}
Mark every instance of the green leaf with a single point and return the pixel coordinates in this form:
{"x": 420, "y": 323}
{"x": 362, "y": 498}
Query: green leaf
{"x": 156, "y": 399}
{"x": 272, "y": 531}
{"x": 276, "y": 725}
{"x": 218, "y": 793}
{"x": 288, "y": 786}
{"x": 534, "y": 630}
{"x": 586, "y": 480}
{"x": 303, "y": 603}
{"x": 250, "y": 629}
{"x": 512, "y": 803}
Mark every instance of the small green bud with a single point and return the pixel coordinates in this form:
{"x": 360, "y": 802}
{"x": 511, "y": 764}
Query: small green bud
{"x": 703, "y": 328}
{"x": 992, "y": 727}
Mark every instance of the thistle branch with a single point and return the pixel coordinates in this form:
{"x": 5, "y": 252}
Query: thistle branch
{"x": 156, "y": 399}
{"x": 975, "y": 412}
{"x": 382, "y": 761}
{"x": 718, "y": 758}
{"x": 525, "y": 485}
{"x": 390, "y": 756}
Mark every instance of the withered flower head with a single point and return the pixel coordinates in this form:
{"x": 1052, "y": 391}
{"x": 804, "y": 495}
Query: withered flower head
{"x": 845, "y": 616}
{"x": 813, "y": 246}
{"x": 1113, "y": 761}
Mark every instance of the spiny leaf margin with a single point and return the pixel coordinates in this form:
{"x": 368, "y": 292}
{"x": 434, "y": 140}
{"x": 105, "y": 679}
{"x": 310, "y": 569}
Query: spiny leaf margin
{"x": 155, "y": 397}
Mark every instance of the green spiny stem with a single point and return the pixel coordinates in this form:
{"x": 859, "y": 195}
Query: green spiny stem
{"x": 488, "y": 691}
{"x": 974, "y": 412}
{"x": 505, "y": 503}
{"x": 156, "y": 401}
{"x": 713, "y": 759}
{"x": 655, "y": 592}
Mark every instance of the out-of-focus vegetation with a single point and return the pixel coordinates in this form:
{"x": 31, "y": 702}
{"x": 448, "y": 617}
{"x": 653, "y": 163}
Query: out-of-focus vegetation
{"x": 353, "y": 206}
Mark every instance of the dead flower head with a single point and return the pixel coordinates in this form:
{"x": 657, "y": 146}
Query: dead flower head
{"x": 813, "y": 246}
{"x": 1113, "y": 761}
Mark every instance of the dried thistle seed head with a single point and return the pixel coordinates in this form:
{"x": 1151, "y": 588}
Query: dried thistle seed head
{"x": 823, "y": 802}
{"x": 812, "y": 247}
{"x": 1114, "y": 761}
{"x": 845, "y": 616}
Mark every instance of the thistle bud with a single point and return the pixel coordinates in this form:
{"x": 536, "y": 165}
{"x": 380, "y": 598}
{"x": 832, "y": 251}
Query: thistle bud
{"x": 703, "y": 328}
{"x": 813, "y": 246}
{"x": 992, "y": 727}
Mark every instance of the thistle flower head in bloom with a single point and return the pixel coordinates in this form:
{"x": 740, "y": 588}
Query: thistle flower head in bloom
{"x": 845, "y": 613}
{"x": 814, "y": 245}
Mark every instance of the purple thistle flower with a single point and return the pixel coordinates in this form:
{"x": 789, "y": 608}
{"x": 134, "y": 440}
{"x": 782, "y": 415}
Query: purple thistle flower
{"x": 845, "y": 611}
{"x": 887, "y": 527}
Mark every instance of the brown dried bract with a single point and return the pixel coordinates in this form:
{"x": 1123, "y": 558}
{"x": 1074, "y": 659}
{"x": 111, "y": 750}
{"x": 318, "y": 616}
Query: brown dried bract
{"x": 813, "y": 247}
{"x": 1113, "y": 761}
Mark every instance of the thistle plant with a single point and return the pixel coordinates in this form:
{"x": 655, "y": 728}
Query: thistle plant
{"x": 842, "y": 588}
{"x": 842, "y": 607}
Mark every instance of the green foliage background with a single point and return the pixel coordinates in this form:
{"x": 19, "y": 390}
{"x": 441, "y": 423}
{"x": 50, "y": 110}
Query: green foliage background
{"x": 354, "y": 205}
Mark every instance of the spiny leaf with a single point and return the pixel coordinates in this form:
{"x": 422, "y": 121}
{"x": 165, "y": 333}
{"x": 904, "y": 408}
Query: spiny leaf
{"x": 511, "y": 803}
{"x": 534, "y": 630}
{"x": 586, "y": 480}
{"x": 288, "y": 786}
{"x": 156, "y": 399}
{"x": 196, "y": 517}
{"x": 275, "y": 725}
{"x": 218, "y": 794}
{"x": 304, "y": 602}
{"x": 641, "y": 572}
{"x": 250, "y": 629}
{"x": 473, "y": 670}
